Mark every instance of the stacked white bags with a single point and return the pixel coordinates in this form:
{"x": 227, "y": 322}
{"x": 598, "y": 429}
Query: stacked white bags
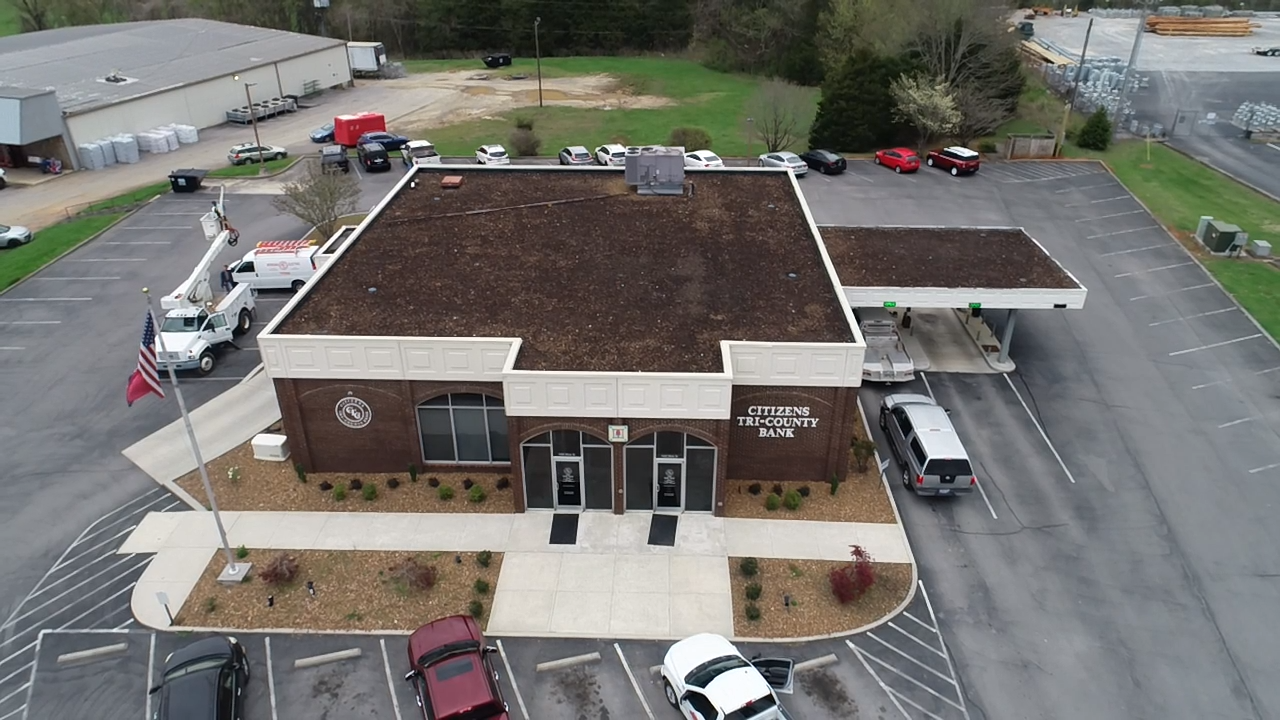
{"x": 126, "y": 147}
{"x": 108, "y": 150}
{"x": 187, "y": 134}
{"x": 91, "y": 157}
{"x": 152, "y": 141}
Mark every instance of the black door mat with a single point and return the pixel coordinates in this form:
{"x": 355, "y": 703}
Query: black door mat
{"x": 662, "y": 530}
{"x": 564, "y": 529}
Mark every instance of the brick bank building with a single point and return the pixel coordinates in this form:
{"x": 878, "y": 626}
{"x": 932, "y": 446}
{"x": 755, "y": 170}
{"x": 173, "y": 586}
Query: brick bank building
{"x": 612, "y": 342}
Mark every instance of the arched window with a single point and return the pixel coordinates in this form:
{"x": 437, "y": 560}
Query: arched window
{"x": 464, "y": 428}
{"x": 670, "y": 472}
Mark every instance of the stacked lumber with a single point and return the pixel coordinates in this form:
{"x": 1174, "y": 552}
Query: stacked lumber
{"x": 1037, "y": 52}
{"x": 1200, "y": 27}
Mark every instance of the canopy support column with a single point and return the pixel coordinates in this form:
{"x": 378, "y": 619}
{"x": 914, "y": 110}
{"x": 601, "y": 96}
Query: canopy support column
{"x": 1007, "y": 336}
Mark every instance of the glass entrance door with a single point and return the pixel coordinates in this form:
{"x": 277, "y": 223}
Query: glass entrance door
{"x": 670, "y": 487}
{"x": 568, "y": 480}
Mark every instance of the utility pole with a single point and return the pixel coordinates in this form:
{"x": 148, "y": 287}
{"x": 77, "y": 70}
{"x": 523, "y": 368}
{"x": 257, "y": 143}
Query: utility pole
{"x": 253, "y": 119}
{"x": 537, "y": 52}
{"x": 1129, "y": 70}
{"x": 1075, "y": 89}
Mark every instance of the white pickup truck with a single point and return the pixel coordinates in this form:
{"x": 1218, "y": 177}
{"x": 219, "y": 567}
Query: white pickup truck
{"x": 887, "y": 359}
{"x": 705, "y": 678}
{"x": 198, "y": 322}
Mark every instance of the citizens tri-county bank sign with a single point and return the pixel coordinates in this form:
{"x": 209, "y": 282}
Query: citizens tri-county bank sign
{"x": 777, "y": 421}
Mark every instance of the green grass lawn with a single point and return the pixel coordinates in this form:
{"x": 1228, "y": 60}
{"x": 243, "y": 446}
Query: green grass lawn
{"x": 17, "y": 263}
{"x": 128, "y": 199}
{"x": 1178, "y": 190}
{"x": 9, "y": 24}
{"x": 252, "y": 169}
{"x": 716, "y": 102}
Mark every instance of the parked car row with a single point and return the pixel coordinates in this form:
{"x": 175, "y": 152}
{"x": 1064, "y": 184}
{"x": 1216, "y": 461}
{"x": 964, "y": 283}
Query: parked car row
{"x": 956, "y": 160}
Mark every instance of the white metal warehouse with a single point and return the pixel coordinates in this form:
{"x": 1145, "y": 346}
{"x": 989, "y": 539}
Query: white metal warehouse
{"x": 131, "y": 77}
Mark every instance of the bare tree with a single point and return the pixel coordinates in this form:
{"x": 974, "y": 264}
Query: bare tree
{"x": 34, "y": 15}
{"x": 980, "y": 114}
{"x": 781, "y": 113}
{"x": 926, "y": 103}
{"x": 320, "y": 197}
{"x": 846, "y": 25}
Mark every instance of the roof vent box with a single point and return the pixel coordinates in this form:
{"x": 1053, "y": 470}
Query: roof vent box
{"x": 656, "y": 170}
{"x": 451, "y": 181}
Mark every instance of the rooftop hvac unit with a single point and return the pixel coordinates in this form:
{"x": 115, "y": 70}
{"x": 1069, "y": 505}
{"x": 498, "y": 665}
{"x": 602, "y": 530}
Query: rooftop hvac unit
{"x": 656, "y": 170}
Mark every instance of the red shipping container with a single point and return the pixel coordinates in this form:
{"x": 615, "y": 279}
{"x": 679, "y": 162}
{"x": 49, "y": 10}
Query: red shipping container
{"x": 347, "y": 129}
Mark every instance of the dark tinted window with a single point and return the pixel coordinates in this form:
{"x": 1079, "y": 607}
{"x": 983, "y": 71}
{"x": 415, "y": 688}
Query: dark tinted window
{"x": 949, "y": 467}
{"x": 918, "y": 452}
{"x": 454, "y": 668}
{"x": 904, "y": 422}
{"x": 753, "y": 708}
{"x": 670, "y": 444}
{"x": 702, "y": 705}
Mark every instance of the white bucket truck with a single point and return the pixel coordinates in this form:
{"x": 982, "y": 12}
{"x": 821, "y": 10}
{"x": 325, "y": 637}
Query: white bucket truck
{"x": 277, "y": 265}
{"x": 198, "y": 321}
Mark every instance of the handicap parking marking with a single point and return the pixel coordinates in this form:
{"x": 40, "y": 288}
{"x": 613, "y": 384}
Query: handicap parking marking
{"x": 909, "y": 660}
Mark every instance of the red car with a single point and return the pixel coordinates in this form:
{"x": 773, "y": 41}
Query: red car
{"x": 955, "y": 159}
{"x": 452, "y": 674}
{"x": 900, "y": 159}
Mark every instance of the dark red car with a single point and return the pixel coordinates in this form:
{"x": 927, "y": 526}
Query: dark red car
{"x": 955, "y": 159}
{"x": 452, "y": 674}
{"x": 899, "y": 159}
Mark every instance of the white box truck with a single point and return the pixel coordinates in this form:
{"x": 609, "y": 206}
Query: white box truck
{"x": 277, "y": 265}
{"x": 366, "y": 58}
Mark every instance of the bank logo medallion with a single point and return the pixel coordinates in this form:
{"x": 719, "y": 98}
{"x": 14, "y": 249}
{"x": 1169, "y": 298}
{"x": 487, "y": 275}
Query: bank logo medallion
{"x": 354, "y": 412}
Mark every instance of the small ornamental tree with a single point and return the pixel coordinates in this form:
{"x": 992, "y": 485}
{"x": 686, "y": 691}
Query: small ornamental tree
{"x": 850, "y": 582}
{"x": 1096, "y": 133}
{"x": 927, "y": 104}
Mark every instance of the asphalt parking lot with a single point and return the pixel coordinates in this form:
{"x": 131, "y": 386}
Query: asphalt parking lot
{"x": 1253, "y": 162}
{"x": 1131, "y": 453}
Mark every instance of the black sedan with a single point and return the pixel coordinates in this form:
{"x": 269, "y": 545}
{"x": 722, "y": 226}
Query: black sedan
{"x": 824, "y": 161}
{"x": 389, "y": 141}
{"x": 203, "y": 681}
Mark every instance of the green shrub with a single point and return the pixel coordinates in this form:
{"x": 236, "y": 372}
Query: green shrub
{"x": 1096, "y": 133}
{"x": 835, "y": 483}
{"x": 525, "y": 143}
{"x": 242, "y": 552}
{"x": 477, "y": 494}
{"x": 753, "y": 591}
{"x": 772, "y": 502}
{"x": 339, "y": 493}
{"x": 988, "y": 146}
{"x": 749, "y": 567}
{"x": 370, "y": 492}
{"x": 445, "y": 492}
{"x": 300, "y": 471}
{"x": 413, "y": 472}
{"x": 753, "y": 612}
{"x": 524, "y": 123}
{"x": 863, "y": 451}
{"x": 791, "y": 500}
{"x": 481, "y": 586}
{"x": 483, "y": 558}
{"x": 690, "y": 138}
{"x": 475, "y": 608}
{"x": 210, "y": 604}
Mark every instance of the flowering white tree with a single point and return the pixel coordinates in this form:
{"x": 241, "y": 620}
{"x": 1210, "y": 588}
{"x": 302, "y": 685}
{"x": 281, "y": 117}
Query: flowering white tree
{"x": 927, "y": 103}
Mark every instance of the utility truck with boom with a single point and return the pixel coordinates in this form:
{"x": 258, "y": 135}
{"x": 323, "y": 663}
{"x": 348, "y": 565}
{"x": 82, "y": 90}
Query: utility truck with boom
{"x": 199, "y": 322}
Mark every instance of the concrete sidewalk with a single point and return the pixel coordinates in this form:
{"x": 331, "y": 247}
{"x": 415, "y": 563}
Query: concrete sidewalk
{"x": 612, "y": 583}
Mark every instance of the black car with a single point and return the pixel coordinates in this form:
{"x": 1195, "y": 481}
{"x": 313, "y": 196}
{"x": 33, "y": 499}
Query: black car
{"x": 334, "y": 158}
{"x": 387, "y": 140}
{"x": 824, "y": 161}
{"x": 373, "y": 157}
{"x": 203, "y": 681}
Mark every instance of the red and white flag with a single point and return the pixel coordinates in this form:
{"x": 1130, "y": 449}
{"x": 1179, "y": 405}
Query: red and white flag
{"x": 145, "y": 379}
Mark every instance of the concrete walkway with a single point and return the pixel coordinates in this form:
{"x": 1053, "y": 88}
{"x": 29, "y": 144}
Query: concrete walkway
{"x": 612, "y": 583}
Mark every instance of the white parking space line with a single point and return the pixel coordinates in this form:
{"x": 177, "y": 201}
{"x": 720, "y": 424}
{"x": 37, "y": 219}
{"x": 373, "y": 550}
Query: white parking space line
{"x": 1233, "y": 423}
{"x": 139, "y": 242}
{"x": 32, "y": 322}
{"x": 162, "y": 214}
{"x": 634, "y": 685}
{"x": 21, "y": 709}
{"x": 1174, "y": 292}
{"x": 1095, "y": 202}
{"x": 1121, "y": 232}
{"x": 88, "y": 260}
{"x": 1210, "y": 346}
{"x": 1268, "y": 370}
{"x": 11, "y": 347}
{"x": 927, "y": 387}
{"x": 52, "y": 299}
{"x": 1264, "y": 467}
{"x": 151, "y": 671}
{"x": 1184, "y": 318}
{"x": 1043, "y": 435}
{"x": 271, "y": 678}
{"x": 78, "y": 585}
{"x": 502, "y": 652}
{"x": 1209, "y": 384}
{"x": 1155, "y": 269}
{"x": 1135, "y": 250}
{"x": 157, "y": 227}
{"x": 986, "y": 500}
{"x": 391, "y": 688}
{"x": 1112, "y": 215}
{"x": 1086, "y": 187}
{"x": 97, "y": 277}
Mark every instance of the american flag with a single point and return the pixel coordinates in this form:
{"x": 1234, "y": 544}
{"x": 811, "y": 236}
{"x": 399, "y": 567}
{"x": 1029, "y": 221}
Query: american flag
{"x": 145, "y": 379}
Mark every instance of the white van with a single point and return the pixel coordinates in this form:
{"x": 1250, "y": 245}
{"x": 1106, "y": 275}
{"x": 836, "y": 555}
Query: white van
{"x": 280, "y": 265}
{"x": 419, "y": 152}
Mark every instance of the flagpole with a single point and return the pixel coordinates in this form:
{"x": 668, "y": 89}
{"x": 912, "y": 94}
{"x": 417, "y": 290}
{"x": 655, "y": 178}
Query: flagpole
{"x": 232, "y": 570}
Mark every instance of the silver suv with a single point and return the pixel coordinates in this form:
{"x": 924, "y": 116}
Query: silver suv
{"x": 926, "y": 446}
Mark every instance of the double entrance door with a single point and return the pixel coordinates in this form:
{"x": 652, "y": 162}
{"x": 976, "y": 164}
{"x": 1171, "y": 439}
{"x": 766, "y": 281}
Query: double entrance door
{"x": 668, "y": 491}
{"x": 568, "y": 470}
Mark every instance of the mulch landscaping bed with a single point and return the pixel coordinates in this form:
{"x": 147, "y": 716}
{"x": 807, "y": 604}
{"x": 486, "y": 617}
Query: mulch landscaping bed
{"x": 355, "y": 590}
{"x": 814, "y": 609}
{"x": 860, "y": 498}
{"x": 275, "y": 486}
{"x": 591, "y": 275}
{"x": 941, "y": 257}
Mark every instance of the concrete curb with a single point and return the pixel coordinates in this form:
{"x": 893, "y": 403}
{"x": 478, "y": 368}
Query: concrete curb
{"x": 296, "y": 159}
{"x": 78, "y": 245}
{"x": 1230, "y": 175}
{"x": 252, "y": 373}
{"x": 92, "y": 654}
{"x": 1193, "y": 257}
{"x": 317, "y": 660}
{"x": 561, "y": 664}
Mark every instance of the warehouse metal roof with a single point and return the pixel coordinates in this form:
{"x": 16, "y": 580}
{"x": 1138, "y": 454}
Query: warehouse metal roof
{"x": 148, "y": 57}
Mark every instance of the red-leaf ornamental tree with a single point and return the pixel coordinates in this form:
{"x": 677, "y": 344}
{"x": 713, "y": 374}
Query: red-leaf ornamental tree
{"x": 850, "y": 582}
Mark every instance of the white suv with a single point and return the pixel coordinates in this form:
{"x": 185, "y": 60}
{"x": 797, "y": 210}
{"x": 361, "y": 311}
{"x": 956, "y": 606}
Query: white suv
{"x": 492, "y": 155}
{"x": 611, "y": 154}
{"x": 704, "y": 676}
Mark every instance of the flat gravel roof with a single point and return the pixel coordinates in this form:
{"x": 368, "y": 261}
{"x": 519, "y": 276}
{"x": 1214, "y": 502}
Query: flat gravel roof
{"x": 993, "y": 258}
{"x": 592, "y": 276}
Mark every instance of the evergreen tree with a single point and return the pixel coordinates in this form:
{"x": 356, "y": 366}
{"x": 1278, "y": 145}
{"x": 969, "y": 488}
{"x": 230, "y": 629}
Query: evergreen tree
{"x": 856, "y": 113}
{"x": 1096, "y": 133}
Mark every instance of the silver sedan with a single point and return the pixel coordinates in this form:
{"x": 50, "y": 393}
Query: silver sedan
{"x": 13, "y": 236}
{"x": 784, "y": 159}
